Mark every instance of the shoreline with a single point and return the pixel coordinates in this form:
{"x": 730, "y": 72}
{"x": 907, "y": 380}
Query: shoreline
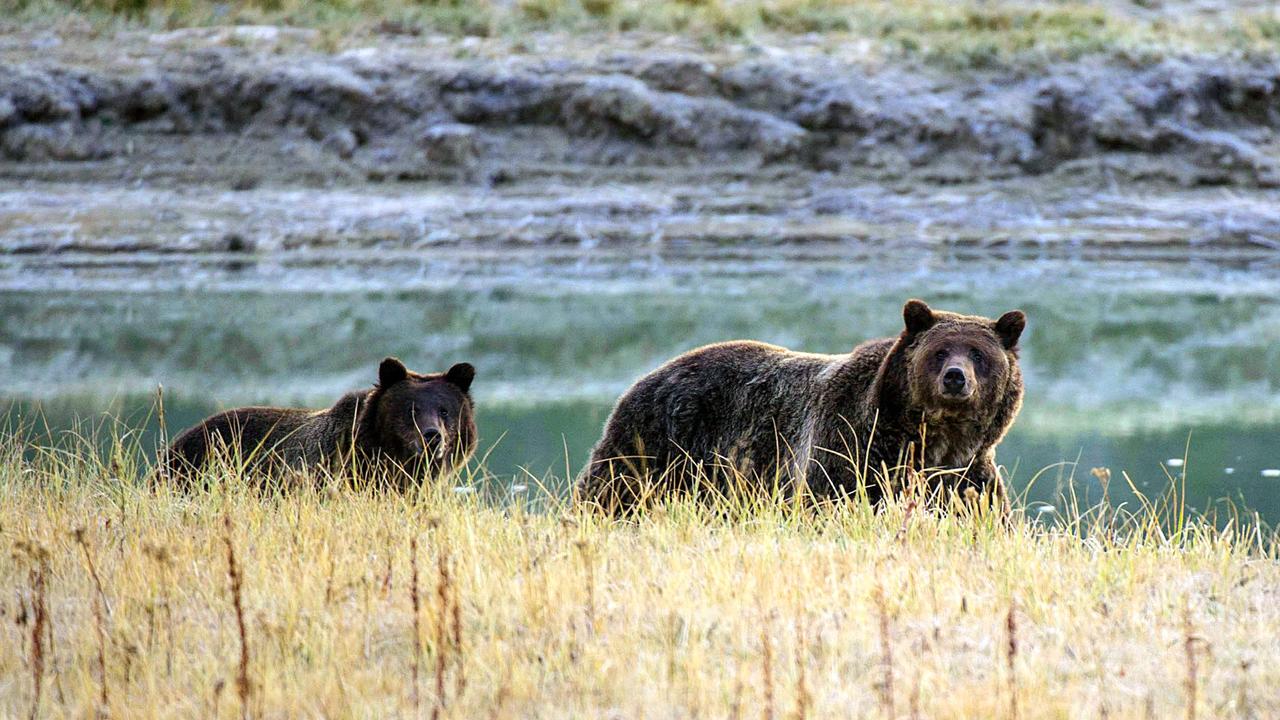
{"x": 783, "y": 145}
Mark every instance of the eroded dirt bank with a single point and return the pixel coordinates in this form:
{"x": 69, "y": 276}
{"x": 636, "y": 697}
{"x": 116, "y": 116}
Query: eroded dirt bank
{"x": 195, "y": 142}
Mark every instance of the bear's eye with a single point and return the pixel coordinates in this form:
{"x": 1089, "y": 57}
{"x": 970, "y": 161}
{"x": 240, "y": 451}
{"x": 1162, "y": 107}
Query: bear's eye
{"x": 976, "y": 354}
{"x": 444, "y": 414}
{"x": 940, "y": 355}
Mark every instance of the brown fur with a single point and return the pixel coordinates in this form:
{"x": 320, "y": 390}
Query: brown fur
{"x": 841, "y": 424}
{"x": 408, "y": 426}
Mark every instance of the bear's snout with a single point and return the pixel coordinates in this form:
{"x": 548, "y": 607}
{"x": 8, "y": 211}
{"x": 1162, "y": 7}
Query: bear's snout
{"x": 955, "y": 383}
{"x": 429, "y": 441}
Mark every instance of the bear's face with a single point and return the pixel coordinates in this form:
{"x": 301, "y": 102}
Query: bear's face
{"x": 424, "y": 421}
{"x": 959, "y": 363}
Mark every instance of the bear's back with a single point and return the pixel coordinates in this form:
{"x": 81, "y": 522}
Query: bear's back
{"x": 721, "y": 373}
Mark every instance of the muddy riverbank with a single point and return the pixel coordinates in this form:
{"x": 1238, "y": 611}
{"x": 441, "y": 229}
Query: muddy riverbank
{"x": 251, "y": 140}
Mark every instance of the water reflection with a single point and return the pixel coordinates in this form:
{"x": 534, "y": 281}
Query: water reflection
{"x": 1128, "y": 363}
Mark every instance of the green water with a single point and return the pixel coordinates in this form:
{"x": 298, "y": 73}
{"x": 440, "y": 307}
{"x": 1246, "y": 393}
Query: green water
{"x": 1128, "y": 363}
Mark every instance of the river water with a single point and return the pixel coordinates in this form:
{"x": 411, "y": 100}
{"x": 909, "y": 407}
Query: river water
{"x": 1159, "y": 368}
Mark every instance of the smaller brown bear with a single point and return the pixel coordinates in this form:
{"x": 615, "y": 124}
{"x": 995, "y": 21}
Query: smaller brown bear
{"x": 408, "y": 426}
{"x": 931, "y": 403}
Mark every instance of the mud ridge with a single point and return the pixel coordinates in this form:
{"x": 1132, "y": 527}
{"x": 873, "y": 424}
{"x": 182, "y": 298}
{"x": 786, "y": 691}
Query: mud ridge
{"x": 371, "y": 115}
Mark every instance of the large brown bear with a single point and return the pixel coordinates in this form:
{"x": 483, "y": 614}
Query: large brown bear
{"x": 930, "y": 404}
{"x": 406, "y": 428}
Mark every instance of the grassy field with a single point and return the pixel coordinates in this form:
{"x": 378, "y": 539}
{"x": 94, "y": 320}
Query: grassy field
{"x": 970, "y": 33}
{"x": 128, "y": 602}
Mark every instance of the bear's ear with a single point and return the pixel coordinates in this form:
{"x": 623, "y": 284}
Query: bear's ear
{"x": 461, "y": 375}
{"x": 1009, "y": 328}
{"x": 391, "y": 371}
{"x": 918, "y": 316}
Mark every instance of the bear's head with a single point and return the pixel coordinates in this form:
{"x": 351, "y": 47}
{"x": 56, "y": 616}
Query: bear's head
{"x": 960, "y": 363}
{"x": 423, "y": 423}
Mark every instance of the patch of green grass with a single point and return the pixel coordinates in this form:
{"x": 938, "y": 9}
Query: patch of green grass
{"x": 962, "y": 34}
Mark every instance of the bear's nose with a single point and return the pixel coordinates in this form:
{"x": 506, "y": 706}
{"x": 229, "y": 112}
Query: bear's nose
{"x": 953, "y": 380}
{"x": 430, "y": 437}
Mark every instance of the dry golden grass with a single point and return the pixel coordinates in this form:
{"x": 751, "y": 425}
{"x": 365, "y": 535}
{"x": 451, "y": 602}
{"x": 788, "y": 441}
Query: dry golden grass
{"x": 766, "y": 611}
